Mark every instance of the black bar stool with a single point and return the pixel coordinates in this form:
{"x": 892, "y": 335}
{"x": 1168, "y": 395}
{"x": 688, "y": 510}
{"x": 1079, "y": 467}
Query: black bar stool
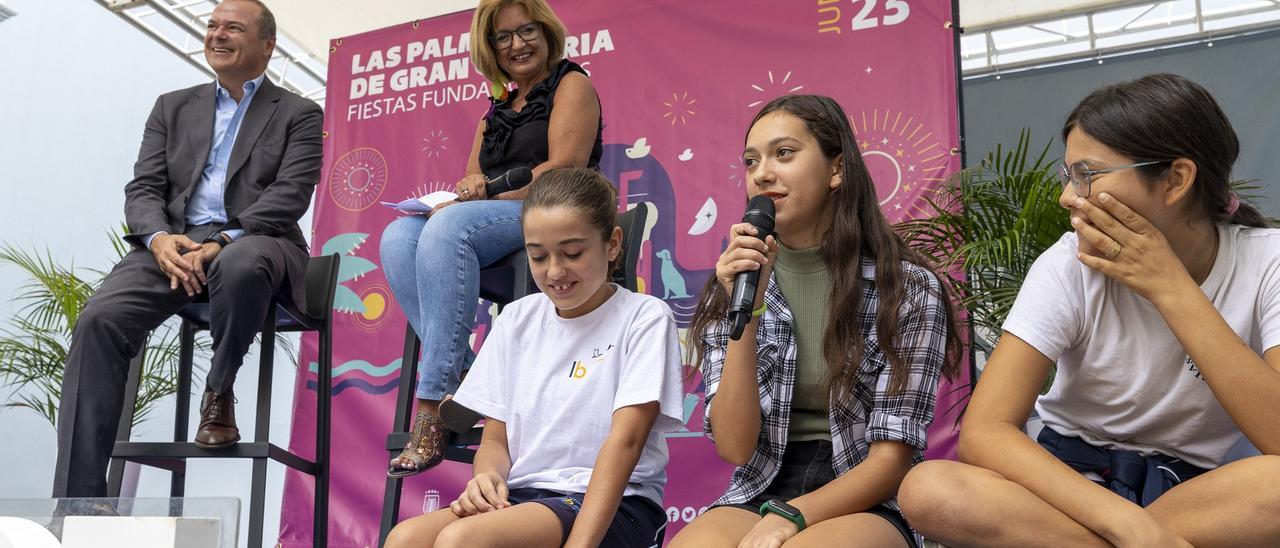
{"x": 321, "y": 279}
{"x": 503, "y": 282}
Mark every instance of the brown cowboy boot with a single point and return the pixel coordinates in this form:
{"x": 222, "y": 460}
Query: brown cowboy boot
{"x": 425, "y": 448}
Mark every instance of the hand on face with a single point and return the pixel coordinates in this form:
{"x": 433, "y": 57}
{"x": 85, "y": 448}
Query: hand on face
{"x": 1129, "y": 249}
{"x": 1122, "y": 183}
{"x": 1118, "y": 222}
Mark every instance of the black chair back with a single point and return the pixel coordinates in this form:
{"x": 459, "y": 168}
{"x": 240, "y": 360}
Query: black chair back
{"x": 320, "y": 284}
{"x": 633, "y": 229}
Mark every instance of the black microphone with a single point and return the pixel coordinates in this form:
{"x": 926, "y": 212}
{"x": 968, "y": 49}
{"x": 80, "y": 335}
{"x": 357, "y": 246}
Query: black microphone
{"x": 742, "y": 303}
{"x": 515, "y": 178}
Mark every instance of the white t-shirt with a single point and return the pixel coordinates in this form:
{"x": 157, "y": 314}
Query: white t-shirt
{"x": 556, "y": 382}
{"x": 1123, "y": 379}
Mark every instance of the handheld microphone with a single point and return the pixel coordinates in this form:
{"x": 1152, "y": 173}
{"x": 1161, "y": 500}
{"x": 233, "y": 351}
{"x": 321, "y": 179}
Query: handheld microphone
{"x": 760, "y": 215}
{"x": 514, "y": 179}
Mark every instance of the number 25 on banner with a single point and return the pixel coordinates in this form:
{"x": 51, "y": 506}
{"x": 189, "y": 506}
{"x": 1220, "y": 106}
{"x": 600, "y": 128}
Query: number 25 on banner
{"x": 892, "y": 13}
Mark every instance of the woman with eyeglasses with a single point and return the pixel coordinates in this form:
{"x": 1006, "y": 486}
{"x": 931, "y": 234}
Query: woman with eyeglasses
{"x": 550, "y": 120}
{"x": 1161, "y": 312}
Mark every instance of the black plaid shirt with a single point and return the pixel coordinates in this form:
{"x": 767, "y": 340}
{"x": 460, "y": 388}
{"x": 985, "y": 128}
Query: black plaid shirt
{"x": 872, "y": 414}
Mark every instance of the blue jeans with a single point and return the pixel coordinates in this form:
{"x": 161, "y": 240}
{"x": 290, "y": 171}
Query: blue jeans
{"x": 433, "y": 266}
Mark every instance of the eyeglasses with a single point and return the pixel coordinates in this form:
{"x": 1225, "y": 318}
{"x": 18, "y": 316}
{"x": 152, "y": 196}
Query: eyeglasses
{"x": 1080, "y": 177}
{"x": 528, "y": 33}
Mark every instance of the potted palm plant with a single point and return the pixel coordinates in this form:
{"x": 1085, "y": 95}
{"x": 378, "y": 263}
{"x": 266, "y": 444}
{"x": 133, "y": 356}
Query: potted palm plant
{"x": 988, "y": 224}
{"x": 34, "y": 344}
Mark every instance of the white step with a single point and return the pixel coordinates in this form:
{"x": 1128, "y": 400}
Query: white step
{"x": 139, "y": 532}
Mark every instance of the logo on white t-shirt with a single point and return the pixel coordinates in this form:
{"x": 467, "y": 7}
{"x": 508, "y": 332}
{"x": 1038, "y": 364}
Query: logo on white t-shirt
{"x": 578, "y": 369}
{"x": 1191, "y": 367}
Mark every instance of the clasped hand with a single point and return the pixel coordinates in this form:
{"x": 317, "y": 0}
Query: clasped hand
{"x": 184, "y": 261}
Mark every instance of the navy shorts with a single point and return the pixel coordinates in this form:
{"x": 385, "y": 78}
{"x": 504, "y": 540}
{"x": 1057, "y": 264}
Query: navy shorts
{"x": 639, "y": 523}
{"x": 806, "y": 466}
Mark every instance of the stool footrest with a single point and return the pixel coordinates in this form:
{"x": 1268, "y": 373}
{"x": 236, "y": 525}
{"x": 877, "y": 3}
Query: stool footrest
{"x": 165, "y": 454}
{"x": 459, "y": 454}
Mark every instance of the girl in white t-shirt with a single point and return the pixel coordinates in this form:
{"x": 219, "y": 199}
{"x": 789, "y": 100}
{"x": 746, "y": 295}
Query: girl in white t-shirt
{"x": 1162, "y": 313}
{"x": 824, "y": 402}
{"x": 577, "y": 384}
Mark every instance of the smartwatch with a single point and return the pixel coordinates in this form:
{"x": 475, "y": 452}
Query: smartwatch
{"x": 777, "y": 506}
{"x": 220, "y": 238}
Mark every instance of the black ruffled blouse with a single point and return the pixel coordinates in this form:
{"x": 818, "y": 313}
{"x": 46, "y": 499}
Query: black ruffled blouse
{"x": 514, "y": 139}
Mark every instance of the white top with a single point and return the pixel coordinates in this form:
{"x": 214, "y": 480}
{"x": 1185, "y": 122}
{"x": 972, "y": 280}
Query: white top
{"x": 1123, "y": 379}
{"x": 556, "y": 382}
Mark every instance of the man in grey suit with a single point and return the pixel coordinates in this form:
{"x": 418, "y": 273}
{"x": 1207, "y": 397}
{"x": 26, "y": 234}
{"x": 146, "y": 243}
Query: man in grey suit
{"x": 225, "y": 171}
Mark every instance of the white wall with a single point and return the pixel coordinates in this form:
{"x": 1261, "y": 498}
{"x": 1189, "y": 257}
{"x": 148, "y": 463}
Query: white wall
{"x": 76, "y": 85}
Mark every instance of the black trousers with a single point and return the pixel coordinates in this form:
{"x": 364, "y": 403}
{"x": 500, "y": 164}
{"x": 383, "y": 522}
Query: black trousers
{"x": 133, "y": 300}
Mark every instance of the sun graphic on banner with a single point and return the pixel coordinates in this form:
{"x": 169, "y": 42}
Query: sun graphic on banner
{"x": 434, "y": 143}
{"x": 679, "y": 108}
{"x": 358, "y": 178}
{"x": 774, "y": 88}
{"x": 376, "y": 298}
{"x": 901, "y": 154}
{"x": 431, "y": 186}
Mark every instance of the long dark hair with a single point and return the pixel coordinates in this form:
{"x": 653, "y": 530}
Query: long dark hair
{"x": 1163, "y": 117}
{"x": 858, "y": 229}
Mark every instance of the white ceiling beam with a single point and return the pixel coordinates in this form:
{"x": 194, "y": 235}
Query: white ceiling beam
{"x": 1045, "y": 45}
{"x": 1041, "y": 36}
{"x": 179, "y": 25}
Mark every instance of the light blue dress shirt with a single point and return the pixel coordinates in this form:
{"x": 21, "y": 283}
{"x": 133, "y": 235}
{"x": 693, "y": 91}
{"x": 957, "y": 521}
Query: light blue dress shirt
{"x": 206, "y": 204}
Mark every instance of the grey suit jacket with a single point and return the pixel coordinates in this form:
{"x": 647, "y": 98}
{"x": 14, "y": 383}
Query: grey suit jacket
{"x": 273, "y": 171}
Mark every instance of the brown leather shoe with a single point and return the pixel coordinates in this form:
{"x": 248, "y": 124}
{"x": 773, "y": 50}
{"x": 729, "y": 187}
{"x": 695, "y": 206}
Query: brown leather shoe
{"x": 217, "y": 420}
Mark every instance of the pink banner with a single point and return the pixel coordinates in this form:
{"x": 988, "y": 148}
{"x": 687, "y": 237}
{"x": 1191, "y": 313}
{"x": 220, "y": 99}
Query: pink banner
{"x": 678, "y": 83}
